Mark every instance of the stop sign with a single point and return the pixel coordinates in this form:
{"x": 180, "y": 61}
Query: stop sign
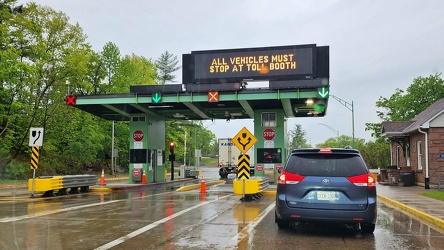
{"x": 138, "y": 135}
{"x": 259, "y": 167}
{"x": 136, "y": 172}
{"x": 268, "y": 134}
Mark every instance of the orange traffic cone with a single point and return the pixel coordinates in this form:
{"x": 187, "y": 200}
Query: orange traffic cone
{"x": 143, "y": 178}
{"x": 102, "y": 179}
{"x": 203, "y": 186}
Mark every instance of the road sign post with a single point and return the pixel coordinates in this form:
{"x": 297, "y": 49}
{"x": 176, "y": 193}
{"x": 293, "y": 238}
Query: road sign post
{"x": 244, "y": 140}
{"x": 35, "y": 141}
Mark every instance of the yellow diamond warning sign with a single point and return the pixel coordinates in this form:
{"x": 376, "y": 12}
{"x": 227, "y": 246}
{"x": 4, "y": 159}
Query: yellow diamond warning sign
{"x": 244, "y": 140}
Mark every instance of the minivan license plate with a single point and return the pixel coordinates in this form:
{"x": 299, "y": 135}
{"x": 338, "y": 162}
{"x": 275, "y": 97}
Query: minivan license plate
{"x": 326, "y": 196}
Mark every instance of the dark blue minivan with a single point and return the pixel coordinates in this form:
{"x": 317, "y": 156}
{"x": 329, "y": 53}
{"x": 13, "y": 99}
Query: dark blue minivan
{"x": 326, "y": 185}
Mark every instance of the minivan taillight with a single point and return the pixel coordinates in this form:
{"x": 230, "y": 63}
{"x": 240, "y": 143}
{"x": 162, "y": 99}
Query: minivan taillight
{"x": 363, "y": 180}
{"x": 289, "y": 178}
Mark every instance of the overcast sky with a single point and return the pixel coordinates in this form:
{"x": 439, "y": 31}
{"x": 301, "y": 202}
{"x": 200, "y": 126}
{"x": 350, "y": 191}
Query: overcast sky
{"x": 375, "y": 46}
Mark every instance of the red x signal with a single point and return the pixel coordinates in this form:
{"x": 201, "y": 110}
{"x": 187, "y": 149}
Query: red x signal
{"x": 213, "y": 96}
{"x": 70, "y": 100}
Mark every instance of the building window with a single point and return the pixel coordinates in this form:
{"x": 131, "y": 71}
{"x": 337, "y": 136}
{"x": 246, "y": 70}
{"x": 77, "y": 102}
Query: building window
{"x": 269, "y": 119}
{"x": 397, "y": 155}
{"x": 138, "y": 118}
{"x": 419, "y": 150}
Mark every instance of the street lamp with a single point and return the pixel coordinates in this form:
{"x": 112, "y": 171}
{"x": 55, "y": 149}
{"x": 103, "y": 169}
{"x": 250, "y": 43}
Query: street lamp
{"x": 332, "y": 129}
{"x": 349, "y": 106}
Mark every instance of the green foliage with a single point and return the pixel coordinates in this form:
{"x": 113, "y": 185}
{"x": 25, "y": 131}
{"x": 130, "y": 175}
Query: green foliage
{"x": 376, "y": 154}
{"x": 16, "y": 170}
{"x": 421, "y": 94}
{"x": 197, "y": 136}
{"x": 209, "y": 162}
{"x": 404, "y": 105}
{"x": 341, "y": 142}
{"x": 166, "y": 65}
{"x": 297, "y": 138}
{"x": 44, "y": 58}
{"x": 133, "y": 70}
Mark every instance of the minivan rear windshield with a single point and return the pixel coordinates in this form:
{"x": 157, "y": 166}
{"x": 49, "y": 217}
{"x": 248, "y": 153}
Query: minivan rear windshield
{"x": 334, "y": 165}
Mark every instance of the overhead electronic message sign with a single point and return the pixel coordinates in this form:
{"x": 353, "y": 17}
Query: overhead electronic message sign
{"x": 267, "y": 63}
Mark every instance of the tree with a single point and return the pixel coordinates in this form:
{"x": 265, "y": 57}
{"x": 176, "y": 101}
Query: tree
{"x": 341, "y": 142}
{"x": 133, "y": 70}
{"x": 166, "y": 65}
{"x": 376, "y": 154}
{"x": 44, "y": 45}
{"x": 297, "y": 138}
{"x": 404, "y": 105}
{"x": 111, "y": 59}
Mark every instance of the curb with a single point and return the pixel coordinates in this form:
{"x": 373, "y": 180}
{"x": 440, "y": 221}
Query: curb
{"x": 196, "y": 186}
{"x": 429, "y": 218}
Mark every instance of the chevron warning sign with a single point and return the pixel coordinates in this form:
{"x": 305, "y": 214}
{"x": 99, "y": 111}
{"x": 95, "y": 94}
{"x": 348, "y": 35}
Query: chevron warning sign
{"x": 35, "y": 157}
{"x": 243, "y": 166}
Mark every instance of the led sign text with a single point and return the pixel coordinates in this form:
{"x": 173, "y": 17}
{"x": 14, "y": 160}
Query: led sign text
{"x": 263, "y": 64}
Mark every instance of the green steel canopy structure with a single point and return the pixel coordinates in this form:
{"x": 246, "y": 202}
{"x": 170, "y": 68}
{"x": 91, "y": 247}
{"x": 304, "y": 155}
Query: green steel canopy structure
{"x": 220, "y": 84}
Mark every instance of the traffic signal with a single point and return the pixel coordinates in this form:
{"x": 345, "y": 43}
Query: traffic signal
{"x": 172, "y": 156}
{"x": 319, "y": 106}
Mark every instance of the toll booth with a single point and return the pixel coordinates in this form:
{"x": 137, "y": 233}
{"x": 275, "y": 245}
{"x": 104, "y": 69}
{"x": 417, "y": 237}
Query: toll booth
{"x": 270, "y": 129}
{"x": 147, "y": 151}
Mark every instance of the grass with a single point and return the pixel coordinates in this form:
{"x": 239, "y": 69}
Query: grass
{"x": 13, "y": 182}
{"x": 439, "y": 195}
{"x": 209, "y": 162}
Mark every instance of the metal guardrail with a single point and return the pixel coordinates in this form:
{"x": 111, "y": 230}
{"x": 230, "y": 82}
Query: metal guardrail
{"x": 250, "y": 189}
{"x": 61, "y": 184}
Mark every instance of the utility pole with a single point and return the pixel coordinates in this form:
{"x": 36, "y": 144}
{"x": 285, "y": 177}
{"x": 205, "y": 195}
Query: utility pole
{"x": 349, "y": 106}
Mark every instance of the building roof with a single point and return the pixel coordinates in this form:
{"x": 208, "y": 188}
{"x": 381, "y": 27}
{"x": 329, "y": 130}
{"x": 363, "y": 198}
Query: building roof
{"x": 423, "y": 119}
{"x": 394, "y": 128}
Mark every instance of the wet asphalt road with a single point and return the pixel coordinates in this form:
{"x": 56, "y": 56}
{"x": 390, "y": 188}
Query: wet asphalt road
{"x": 161, "y": 218}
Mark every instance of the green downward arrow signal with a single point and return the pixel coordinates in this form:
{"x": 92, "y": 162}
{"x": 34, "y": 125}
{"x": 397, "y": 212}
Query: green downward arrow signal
{"x": 156, "y": 97}
{"x": 323, "y": 92}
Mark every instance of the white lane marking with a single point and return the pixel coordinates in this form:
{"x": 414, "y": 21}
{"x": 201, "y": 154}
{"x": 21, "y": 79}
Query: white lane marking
{"x": 154, "y": 224}
{"x": 30, "y": 216}
{"x": 249, "y": 228}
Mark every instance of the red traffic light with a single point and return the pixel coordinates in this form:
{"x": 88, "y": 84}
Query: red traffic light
{"x": 171, "y": 146}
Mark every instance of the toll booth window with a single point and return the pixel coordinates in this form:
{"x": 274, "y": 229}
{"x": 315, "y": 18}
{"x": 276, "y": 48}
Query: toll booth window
{"x": 139, "y": 156}
{"x": 269, "y": 119}
{"x": 138, "y": 119}
{"x": 269, "y": 155}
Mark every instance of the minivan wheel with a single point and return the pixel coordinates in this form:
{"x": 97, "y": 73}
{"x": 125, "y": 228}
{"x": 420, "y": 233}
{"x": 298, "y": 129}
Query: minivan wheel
{"x": 281, "y": 223}
{"x": 367, "y": 228}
